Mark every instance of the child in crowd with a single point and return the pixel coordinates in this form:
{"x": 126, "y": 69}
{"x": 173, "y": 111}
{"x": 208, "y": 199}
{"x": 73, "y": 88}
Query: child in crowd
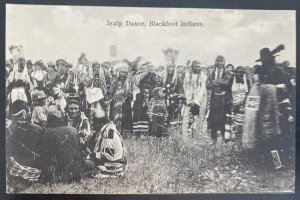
{"x": 40, "y": 112}
{"x": 158, "y": 114}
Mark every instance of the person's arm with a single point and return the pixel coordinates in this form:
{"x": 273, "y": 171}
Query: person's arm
{"x": 86, "y": 130}
{"x": 209, "y": 83}
{"x": 203, "y": 83}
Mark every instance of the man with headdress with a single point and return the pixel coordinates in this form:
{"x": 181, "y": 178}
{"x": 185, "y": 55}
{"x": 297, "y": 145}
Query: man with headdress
{"x": 172, "y": 84}
{"x": 99, "y": 79}
{"x": 96, "y": 91}
{"x": 121, "y": 96}
{"x": 77, "y": 74}
{"x": 23, "y": 143}
{"x": 196, "y": 97}
{"x": 18, "y": 83}
{"x": 218, "y": 90}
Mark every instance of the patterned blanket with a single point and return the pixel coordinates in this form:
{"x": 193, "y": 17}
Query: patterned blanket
{"x": 28, "y": 173}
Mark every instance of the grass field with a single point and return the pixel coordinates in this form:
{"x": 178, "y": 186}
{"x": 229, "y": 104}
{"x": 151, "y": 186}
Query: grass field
{"x": 173, "y": 166}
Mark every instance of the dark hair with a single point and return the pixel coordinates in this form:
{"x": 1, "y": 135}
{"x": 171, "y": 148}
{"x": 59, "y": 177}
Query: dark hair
{"x": 257, "y": 69}
{"x": 72, "y": 101}
{"x": 230, "y": 65}
{"x": 54, "y": 120}
{"x": 240, "y": 68}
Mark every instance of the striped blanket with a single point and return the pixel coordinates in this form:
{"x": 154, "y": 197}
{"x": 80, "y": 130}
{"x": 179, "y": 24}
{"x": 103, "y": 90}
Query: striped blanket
{"x": 28, "y": 173}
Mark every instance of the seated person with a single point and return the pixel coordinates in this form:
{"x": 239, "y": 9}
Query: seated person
{"x": 107, "y": 148}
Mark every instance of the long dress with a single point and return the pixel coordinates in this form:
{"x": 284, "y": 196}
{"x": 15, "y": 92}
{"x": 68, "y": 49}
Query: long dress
{"x": 239, "y": 93}
{"x": 158, "y": 114}
{"x": 120, "y": 107}
{"x": 140, "y": 118}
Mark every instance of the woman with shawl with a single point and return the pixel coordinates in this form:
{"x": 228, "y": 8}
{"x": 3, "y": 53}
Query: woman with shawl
{"x": 121, "y": 95}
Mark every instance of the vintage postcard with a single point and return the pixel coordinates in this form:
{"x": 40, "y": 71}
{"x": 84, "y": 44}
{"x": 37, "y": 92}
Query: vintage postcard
{"x": 140, "y": 100}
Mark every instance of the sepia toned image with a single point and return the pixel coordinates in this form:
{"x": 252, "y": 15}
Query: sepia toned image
{"x": 137, "y": 100}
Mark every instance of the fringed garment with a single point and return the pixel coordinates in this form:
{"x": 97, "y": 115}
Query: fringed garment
{"x": 140, "y": 118}
{"x": 158, "y": 116}
{"x": 120, "y": 108}
{"x": 195, "y": 92}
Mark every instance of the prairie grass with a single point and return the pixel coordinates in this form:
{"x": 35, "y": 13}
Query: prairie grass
{"x": 171, "y": 165}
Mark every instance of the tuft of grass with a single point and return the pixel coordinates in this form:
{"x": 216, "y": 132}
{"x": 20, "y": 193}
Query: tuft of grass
{"x": 171, "y": 165}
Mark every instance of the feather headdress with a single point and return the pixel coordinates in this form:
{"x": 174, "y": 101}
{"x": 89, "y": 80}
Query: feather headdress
{"x": 16, "y": 51}
{"x": 171, "y": 55}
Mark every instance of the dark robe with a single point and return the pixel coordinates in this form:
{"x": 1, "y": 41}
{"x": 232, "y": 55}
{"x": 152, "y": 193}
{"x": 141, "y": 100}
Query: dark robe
{"x": 140, "y": 118}
{"x": 24, "y": 142}
{"x": 219, "y": 99}
{"x": 63, "y": 156}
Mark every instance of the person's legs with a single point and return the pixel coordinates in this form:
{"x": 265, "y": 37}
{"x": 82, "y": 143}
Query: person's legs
{"x": 197, "y": 126}
{"x": 214, "y": 134}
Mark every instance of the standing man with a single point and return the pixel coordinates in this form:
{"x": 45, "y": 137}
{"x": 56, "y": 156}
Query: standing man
{"x": 271, "y": 73}
{"x": 173, "y": 85}
{"x": 217, "y": 86}
{"x": 194, "y": 85}
{"x": 121, "y": 96}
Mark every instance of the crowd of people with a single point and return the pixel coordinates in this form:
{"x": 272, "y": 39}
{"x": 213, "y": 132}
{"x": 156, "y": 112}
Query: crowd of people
{"x": 92, "y": 106}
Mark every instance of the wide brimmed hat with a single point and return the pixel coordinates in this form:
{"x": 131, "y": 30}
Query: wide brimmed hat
{"x": 38, "y": 95}
{"x": 62, "y": 61}
{"x": 39, "y": 63}
{"x": 266, "y": 53}
{"x": 51, "y": 64}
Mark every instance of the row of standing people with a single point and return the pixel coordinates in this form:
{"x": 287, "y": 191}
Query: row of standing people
{"x": 200, "y": 98}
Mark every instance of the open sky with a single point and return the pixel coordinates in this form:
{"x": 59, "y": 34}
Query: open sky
{"x": 52, "y": 32}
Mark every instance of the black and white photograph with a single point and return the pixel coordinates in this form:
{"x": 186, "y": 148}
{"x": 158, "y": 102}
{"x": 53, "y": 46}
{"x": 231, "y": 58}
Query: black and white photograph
{"x": 149, "y": 100}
